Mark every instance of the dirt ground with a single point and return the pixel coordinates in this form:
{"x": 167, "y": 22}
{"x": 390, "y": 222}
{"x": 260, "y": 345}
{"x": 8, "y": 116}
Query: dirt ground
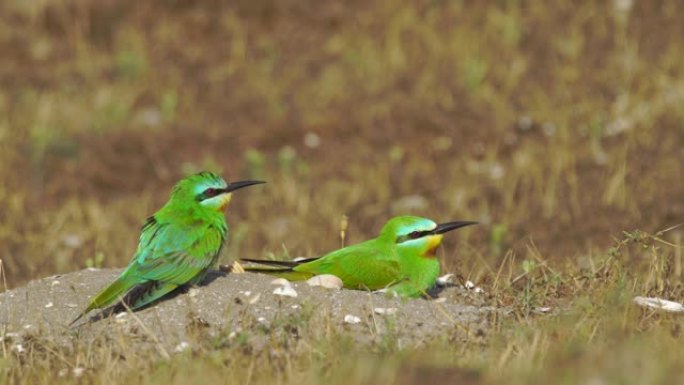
{"x": 234, "y": 304}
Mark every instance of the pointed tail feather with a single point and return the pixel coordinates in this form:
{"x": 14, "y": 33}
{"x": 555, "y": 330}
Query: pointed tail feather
{"x": 107, "y": 296}
{"x": 286, "y": 273}
{"x": 266, "y": 262}
{"x": 279, "y": 263}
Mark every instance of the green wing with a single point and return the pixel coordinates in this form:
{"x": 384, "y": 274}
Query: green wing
{"x": 360, "y": 266}
{"x": 168, "y": 256}
{"x": 177, "y": 255}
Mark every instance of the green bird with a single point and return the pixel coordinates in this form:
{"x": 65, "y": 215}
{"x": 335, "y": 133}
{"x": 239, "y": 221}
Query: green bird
{"x": 178, "y": 245}
{"x": 402, "y": 259}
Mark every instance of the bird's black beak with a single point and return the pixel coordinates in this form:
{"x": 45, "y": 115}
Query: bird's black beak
{"x": 243, "y": 183}
{"x": 446, "y": 227}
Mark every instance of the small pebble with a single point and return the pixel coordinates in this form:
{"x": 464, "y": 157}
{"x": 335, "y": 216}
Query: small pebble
{"x": 181, "y": 347}
{"x": 327, "y": 281}
{"x": 254, "y": 299}
{"x": 121, "y": 318}
{"x": 78, "y": 371}
{"x": 49, "y": 305}
{"x": 351, "y": 319}
{"x": 444, "y": 280}
{"x": 287, "y": 291}
{"x": 280, "y": 282}
{"x": 193, "y": 292}
{"x": 385, "y": 310}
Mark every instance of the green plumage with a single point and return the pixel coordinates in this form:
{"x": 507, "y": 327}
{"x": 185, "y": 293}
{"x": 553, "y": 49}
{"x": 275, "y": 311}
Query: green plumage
{"x": 177, "y": 245}
{"x": 401, "y": 259}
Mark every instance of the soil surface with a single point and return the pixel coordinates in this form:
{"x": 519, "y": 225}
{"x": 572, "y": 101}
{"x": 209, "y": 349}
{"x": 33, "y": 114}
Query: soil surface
{"x": 235, "y": 304}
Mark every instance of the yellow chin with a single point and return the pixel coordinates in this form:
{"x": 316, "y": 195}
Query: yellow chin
{"x": 225, "y": 201}
{"x": 433, "y": 242}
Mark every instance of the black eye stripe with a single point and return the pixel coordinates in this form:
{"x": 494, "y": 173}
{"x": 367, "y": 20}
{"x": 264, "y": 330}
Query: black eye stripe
{"x": 413, "y": 235}
{"x": 209, "y": 193}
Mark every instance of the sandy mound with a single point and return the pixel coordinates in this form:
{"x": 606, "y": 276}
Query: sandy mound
{"x": 237, "y": 304}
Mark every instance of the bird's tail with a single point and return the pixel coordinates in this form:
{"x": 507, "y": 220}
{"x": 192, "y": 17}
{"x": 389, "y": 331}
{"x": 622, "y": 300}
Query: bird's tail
{"x": 108, "y": 295}
{"x": 280, "y": 269}
{"x": 148, "y": 292}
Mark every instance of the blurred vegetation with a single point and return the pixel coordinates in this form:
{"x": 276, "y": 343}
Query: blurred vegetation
{"x": 556, "y": 126}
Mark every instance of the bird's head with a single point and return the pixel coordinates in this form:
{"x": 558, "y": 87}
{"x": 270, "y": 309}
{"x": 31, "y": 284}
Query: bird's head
{"x": 418, "y": 234}
{"x": 207, "y": 190}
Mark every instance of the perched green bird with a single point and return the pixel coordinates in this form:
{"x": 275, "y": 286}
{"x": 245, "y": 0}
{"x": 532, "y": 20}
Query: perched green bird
{"x": 178, "y": 244}
{"x": 402, "y": 259}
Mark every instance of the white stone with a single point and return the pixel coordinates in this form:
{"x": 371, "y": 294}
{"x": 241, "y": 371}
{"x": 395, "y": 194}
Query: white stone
{"x": 385, "y": 310}
{"x": 78, "y": 371}
{"x": 254, "y": 299}
{"x": 280, "y": 282}
{"x": 287, "y": 291}
{"x": 351, "y": 319}
{"x": 181, "y": 347}
{"x": 327, "y": 281}
{"x": 444, "y": 280}
{"x": 659, "y": 303}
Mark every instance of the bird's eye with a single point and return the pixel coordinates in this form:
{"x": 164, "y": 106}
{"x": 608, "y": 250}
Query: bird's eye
{"x": 210, "y": 192}
{"x": 414, "y": 234}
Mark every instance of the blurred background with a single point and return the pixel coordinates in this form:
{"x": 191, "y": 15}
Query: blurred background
{"x": 557, "y": 126}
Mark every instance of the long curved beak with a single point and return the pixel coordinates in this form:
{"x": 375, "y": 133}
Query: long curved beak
{"x": 446, "y": 227}
{"x": 243, "y": 183}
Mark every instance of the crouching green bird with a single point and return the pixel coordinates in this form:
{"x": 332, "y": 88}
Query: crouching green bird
{"x": 178, "y": 244}
{"x": 402, "y": 259}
